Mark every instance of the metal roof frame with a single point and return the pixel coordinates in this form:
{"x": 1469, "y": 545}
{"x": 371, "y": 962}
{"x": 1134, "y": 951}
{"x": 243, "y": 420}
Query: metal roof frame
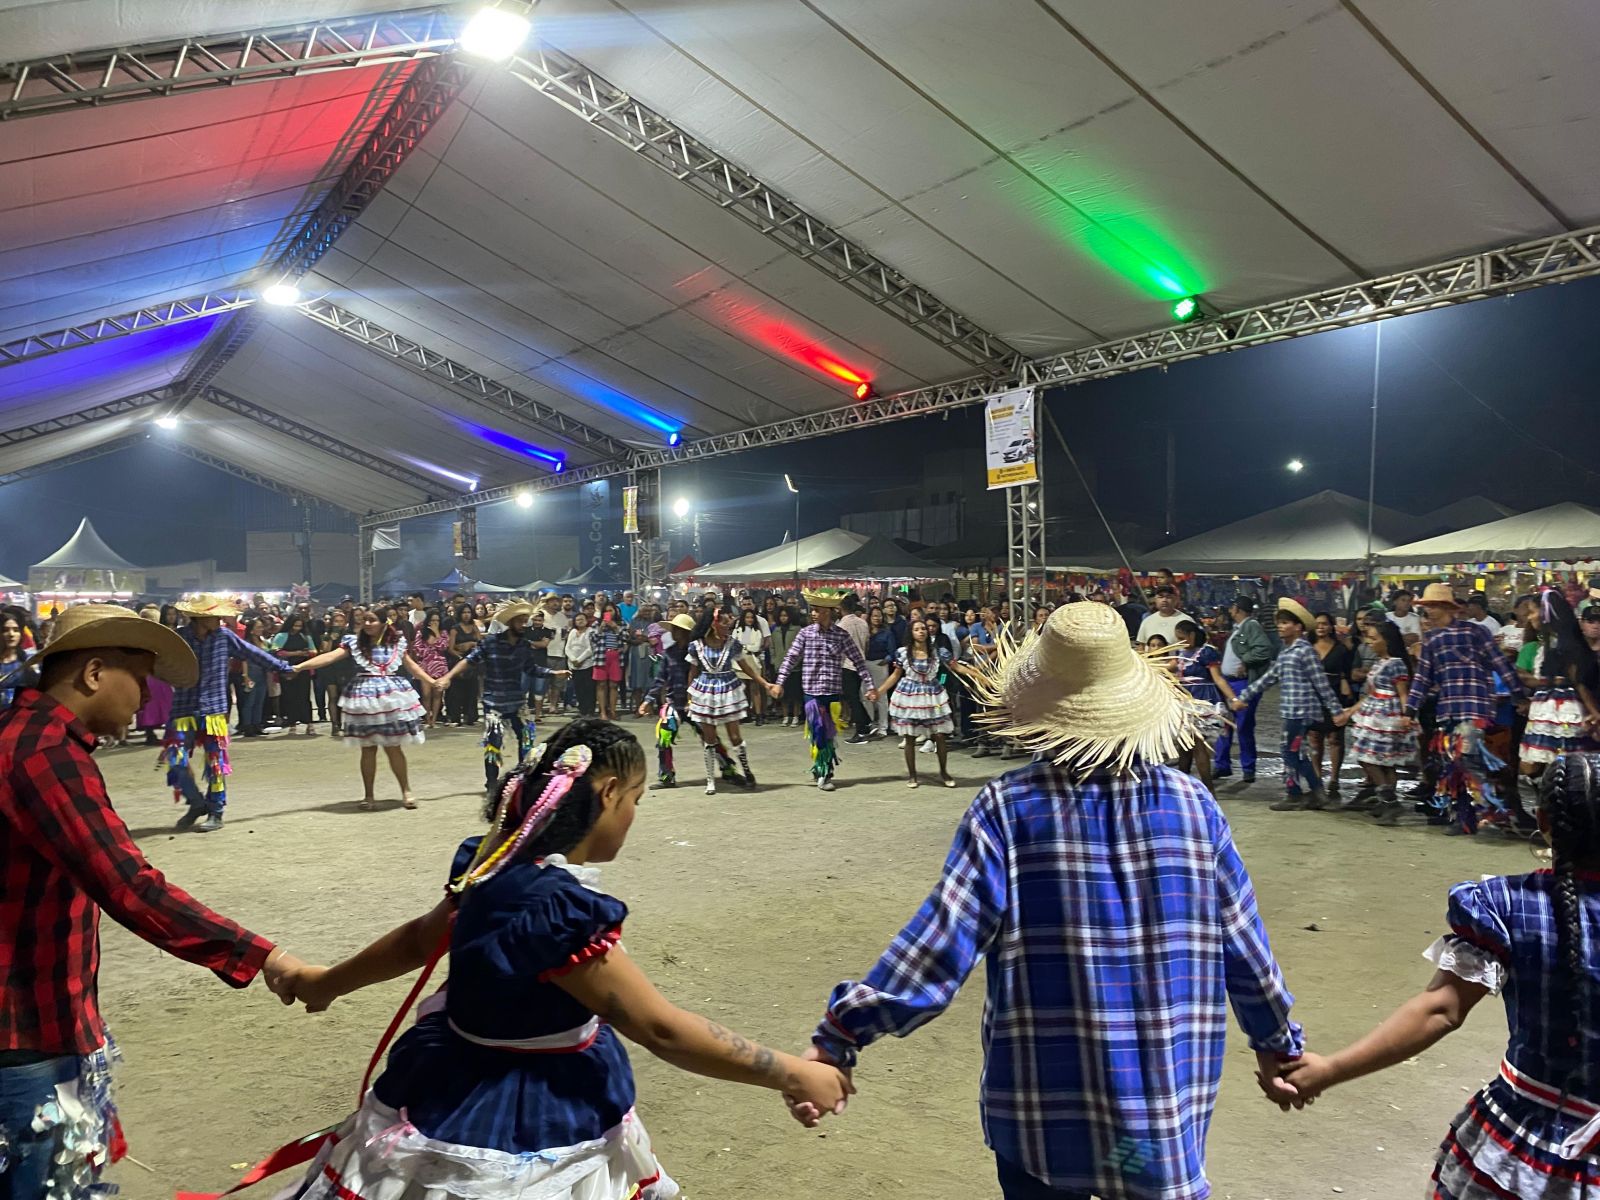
{"x": 140, "y": 320}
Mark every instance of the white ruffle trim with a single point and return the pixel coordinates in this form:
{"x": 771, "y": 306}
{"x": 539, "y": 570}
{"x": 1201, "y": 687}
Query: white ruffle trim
{"x": 403, "y": 700}
{"x": 1465, "y": 961}
{"x": 379, "y": 1155}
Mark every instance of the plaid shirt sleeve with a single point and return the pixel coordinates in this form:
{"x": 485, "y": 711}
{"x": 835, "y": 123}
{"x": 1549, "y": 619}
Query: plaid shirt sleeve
{"x": 928, "y": 961}
{"x": 1266, "y": 681}
{"x": 1260, "y": 998}
{"x": 57, "y": 804}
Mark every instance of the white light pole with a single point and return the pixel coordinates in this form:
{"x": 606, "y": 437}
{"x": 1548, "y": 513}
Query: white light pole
{"x": 789, "y": 483}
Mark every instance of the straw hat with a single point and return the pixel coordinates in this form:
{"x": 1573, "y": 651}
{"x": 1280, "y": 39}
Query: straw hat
{"x": 1439, "y": 593}
{"x": 682, "y": 621}
{"x": 208, "y": 604}
{"x": 1296, "y": 610}
{"x": 112, "y": 627}
{"x": 828, "y": 597}
{"x": 517, "y": 608}
{"x": 1079, "y": 694}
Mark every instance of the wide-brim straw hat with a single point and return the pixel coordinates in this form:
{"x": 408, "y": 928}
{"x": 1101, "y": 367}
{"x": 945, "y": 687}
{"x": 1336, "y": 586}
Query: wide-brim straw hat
{"x": 1078, "y": 693}
{"x": 208, "y": 604}
{"x": 1296, "y": 610}
{"x": 1439, "y": 593}
{"x": 824, "y": 597}
{"x": 112, "y": 627}
{"x": 517, "y": 608}
{"x": 683, "y": 621}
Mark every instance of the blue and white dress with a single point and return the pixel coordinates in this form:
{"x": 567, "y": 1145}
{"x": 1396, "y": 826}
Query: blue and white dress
{"x": 506, "y": 1086}
{"x": 920, "y": 703}
{"x": 716, "y": 693}
{"x": 1533, "y": 1130}
{"x": 380, "y": 708}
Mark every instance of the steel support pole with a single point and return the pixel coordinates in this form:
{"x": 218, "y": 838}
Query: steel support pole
{"x": 368, "y": 562}
{"x": 1025, "y": 554}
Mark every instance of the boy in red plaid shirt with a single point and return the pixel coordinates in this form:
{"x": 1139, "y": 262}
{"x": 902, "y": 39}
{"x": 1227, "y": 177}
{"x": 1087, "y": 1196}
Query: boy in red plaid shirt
{"x": 64, "y": 856}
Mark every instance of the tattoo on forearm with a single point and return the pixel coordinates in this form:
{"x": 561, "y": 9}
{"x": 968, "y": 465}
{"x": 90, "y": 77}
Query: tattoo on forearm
{"x": 757, "y": 1057}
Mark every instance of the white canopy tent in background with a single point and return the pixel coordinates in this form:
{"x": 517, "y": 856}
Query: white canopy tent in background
{"x": 784, "y": 560}
{"x": 1323, "y": 532}
{"x": 1559, "y": 534}
{"x": 85, "y": 566}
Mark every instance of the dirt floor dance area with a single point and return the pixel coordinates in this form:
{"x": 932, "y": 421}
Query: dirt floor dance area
{"x": 749, "y": 907}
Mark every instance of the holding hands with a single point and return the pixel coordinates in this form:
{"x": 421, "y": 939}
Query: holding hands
{"x": 818, "y": 1088}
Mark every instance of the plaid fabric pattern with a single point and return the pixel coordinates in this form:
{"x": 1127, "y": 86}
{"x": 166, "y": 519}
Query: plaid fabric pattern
{"x": 504, "y": 664}
{"x": 209, "y": 696}
{"x": 1455, "y": 664}
{"x": 1117, "y": 923}
{"x": 824, "y": 652}
{"x": 1304, "y": 688}
{"x": 65, "y": 855}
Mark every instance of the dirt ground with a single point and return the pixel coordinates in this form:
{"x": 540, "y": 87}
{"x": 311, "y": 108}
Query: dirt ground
{"x": 749, "y": 907}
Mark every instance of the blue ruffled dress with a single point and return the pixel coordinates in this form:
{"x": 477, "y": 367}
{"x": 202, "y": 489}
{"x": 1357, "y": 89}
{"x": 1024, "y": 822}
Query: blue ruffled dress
{"x": 506, "y": 1086}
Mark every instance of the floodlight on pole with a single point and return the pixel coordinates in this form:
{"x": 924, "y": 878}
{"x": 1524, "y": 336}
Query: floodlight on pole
{"x": 284, "y": 292}
{"x": 789, "y": 483}
{"x": 524, "y": 499}
{"x": 680, "y": 508}
{"x": 167, "y": 422}
{"x": 1295, "y": 466}
{"x": 494, "y": 34}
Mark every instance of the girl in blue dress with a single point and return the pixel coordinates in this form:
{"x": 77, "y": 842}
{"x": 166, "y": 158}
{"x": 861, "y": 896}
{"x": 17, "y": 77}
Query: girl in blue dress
{"x": 919, "y": 702}
{"x": 1199, "y": 667}
{"x": 514, "y": 1081}
{"x": 1534, "y": 1130}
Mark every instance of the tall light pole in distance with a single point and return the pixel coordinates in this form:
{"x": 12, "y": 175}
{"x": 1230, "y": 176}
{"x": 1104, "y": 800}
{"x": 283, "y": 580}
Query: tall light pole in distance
{"x": 789, "y": 483}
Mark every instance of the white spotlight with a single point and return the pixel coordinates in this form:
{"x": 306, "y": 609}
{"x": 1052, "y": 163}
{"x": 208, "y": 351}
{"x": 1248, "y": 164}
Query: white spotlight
{"x": 1296, "y": 466}
{"x": 494, "y": 33}
{"x": 282, "y": 292}
{"x": 167, "y": 422}
{"x": 524, "y": 499}
{"x": 680, "y": 507}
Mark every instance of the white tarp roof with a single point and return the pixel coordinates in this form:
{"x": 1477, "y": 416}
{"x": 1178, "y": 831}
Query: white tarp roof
{"x": 1324, "y": 532}
{"x": 1057, "y": 172}
{"x": 1560, "y": 532}
{"x": 85, "y": 550}
{"x": 784, "y": 559}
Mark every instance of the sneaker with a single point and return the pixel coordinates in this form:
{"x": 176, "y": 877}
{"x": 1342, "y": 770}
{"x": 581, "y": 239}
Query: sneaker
{"x": 1364, "y": 796}
{"x": 1228, "y": 774}
{"x": 856, "y": 739}
{"x": 1387, "y": 810}
{"x": 1293, "y": 802}
{"x": 1247, "y": 778}
{"x": 1333, "y": 788}
{"x": 748, "y": 779}
{"x": 825, "y": 784}
{"x": 711, "y": 787}
{"x": 194, "y": 813}
{"x": 1317, "y": 800}
{"x": 211, "y": 824}
{"x": 667, "y": 780}
{"x": 912, "y": 782}
{"x": 983, "y": 751}
{"x": 926, "y": 747}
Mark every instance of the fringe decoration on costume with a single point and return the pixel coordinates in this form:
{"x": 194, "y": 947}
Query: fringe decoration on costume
{"x": 666, "y": 738}
{"x": 822, "y": 727}
{"x": 1054, "y": 733}
{"x": 175, "y": 753}
{"x": 1465, "y": 766}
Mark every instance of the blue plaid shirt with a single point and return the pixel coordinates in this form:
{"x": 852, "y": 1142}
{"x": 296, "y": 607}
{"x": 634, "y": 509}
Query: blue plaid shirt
{"x": 1455, "y": 663}
{"x": 209, "y": 696}
{"x": 1305, "y": 690}
{"x": 1117, "y": 922}
{"x": 504, "y": 664}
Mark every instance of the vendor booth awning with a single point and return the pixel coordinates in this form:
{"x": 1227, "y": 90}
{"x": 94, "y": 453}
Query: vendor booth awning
{"x": 537, "y": 587}
{"x": 85, "y": 566}
{"x": 593, "y": 578}
{"x": 786, "y": 559}
{"x": 879, "y": 558}
{"x": 1324, "y": 532}
{"x": 456, "y": 581}
{"x": 7, "y": 584}
{"x": 1560, "y": 533}
{"x": 1463, "y": 514}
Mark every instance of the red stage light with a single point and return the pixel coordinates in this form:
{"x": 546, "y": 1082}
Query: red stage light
{"x": 800, "y": 346}
{"x": 865, "y": 391}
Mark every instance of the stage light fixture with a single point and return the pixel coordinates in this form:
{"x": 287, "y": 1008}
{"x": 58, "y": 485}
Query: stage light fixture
{"x": 494, "y": 33}
{"x": 282, "y": 292}
{"x": 680, "y": 508}
{"x": 167, "y": 422}
{"x": 674, "y": 438}
{"x": 524, "y": 499}
{"x": 560, "y": 466}
{"x": 1186, "y": 310}
{"x": 1295, "y": 466}
{"x": 865, "y": 391}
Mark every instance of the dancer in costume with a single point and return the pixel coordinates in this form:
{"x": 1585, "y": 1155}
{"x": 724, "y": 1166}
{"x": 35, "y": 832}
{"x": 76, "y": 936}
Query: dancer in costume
{"x": 669, "y": 697}
{"x": 823, "y": 648}
{"x": 514, "y": 1082}
{"x": 1563, "y": 708}
{"x": 65, "y": 855}
{"x": 376, "y": 707}
{"x": 1454, "y": 664}
{"x": 1384, "y": 741}
{"x": 716, "y": 689}
{"x": 200, "y": 712}
{"x": 1534, "y": 1130}
{"x": 1199, "y": 665}
{"x": 507, "y": 657}
{"x": 919, "y": 703}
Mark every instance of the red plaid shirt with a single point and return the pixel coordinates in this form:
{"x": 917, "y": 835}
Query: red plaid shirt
{"x": 65, "y": 855}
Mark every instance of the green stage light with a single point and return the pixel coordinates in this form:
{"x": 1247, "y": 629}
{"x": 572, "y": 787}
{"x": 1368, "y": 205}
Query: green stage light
{"x": 1186, "y": 310}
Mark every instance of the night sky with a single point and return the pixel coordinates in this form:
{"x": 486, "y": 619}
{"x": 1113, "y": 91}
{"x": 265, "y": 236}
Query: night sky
{"x": 1495, "y": 398}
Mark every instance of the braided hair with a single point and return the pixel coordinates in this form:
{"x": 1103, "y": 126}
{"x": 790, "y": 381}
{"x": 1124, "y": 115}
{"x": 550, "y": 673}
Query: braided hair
{"x": 1570, "y": 797}
{"x": 616, "y": 752}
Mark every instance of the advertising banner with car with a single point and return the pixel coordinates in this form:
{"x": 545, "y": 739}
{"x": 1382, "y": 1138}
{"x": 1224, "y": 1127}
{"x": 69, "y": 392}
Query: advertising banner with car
{"x": 1008, "y": 439}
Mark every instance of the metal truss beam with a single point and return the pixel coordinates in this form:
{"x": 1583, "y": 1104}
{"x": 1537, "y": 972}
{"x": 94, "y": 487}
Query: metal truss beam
{"x": 327, "y": 443}
{"x": 177, "y": 67}
{"x": 100, "y": 412}
{"x": 1557, "y": 259}
{"x": 178, "y": 446}
{"x": 431, "y": 88}
{"x": 677, "y": 152}
{"x": 115, "y": 446}
{"x": 479, "y": 387}
{"x": 140, "y": 320}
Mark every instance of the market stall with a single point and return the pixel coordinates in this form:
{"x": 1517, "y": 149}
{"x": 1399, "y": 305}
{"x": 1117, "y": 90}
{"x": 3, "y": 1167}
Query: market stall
{"x": 1508, "y": 556}
{"x": 84, "y": 569}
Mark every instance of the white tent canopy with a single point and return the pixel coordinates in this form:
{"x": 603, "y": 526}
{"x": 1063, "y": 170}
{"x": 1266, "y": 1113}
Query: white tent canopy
{"x": 85, "y": 550}
{"x": 1562, "y": 532}
{"x": 784, "y": 560}
{"x": 1324, "y": 532}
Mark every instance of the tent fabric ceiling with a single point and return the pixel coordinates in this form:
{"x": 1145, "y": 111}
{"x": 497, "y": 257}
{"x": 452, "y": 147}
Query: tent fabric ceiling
{"x": 1057, "y": 172}
{"x": 1563, "y": 532}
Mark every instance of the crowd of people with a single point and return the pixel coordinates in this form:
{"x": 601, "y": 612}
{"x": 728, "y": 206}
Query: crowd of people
{"x": 1102, "y": 1060}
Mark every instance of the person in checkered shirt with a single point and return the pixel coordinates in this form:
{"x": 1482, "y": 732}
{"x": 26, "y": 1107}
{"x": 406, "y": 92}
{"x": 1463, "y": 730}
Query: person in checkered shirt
{"x": 65, "y": 855}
